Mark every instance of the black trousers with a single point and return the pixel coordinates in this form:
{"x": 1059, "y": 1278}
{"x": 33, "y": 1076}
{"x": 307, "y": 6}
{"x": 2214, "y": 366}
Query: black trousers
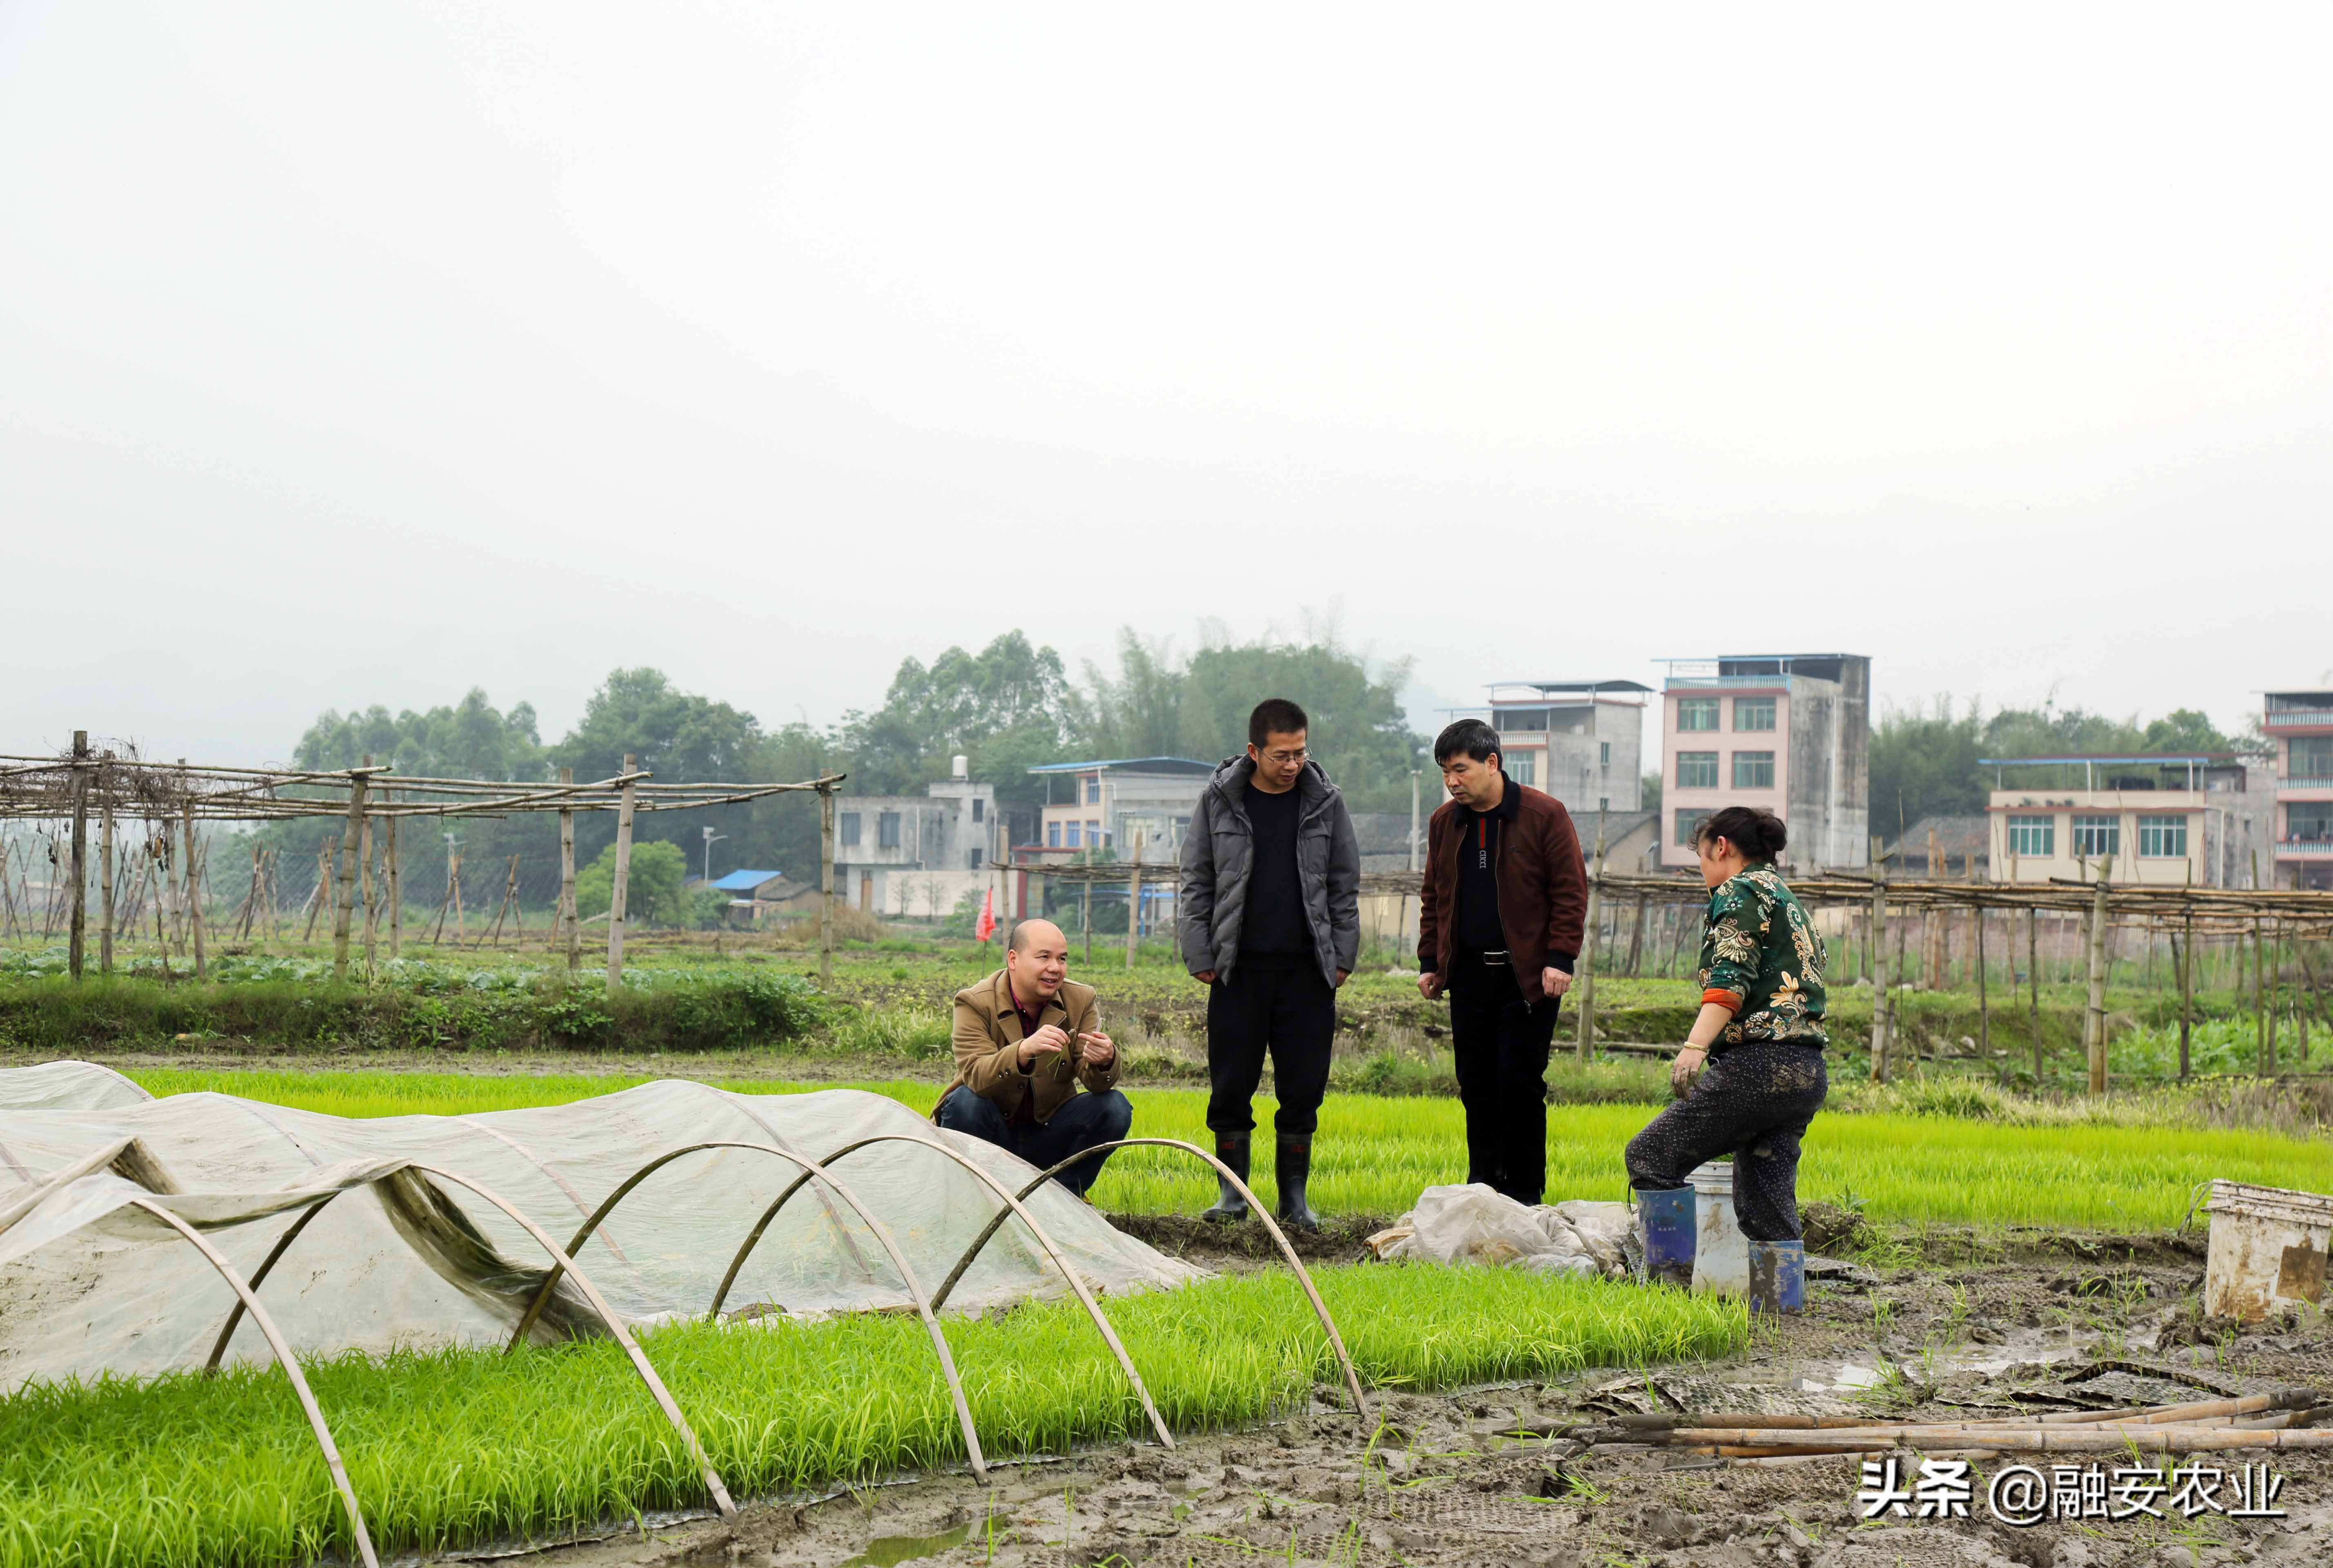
{"x": 1752, "y": 1101}
{"x": 1282, "y": 1005}
{"x": 1502, "y": 1043}
{"x": 1083, "y": 1121}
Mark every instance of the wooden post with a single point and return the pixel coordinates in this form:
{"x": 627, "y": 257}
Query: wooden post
{"x": 1584, "y": 971}
{"x": 622, "y": 887}
{"x": 396, "y": 888}
{"x": 826, "y": 883}
{"x": 105, "y": 888}
{"x": 1983, "y": 993}
{"x": 158, "y": 845}
{"x": 1085, "y": 911}
{"x": 345, "y": 900}
{"x": 2033, "y": 983}
{"x": 193, "y": 886}
{"x": 1874, "y": 960}
{"x": 371, "y": 891}
{"x": 570, "y": 930}
{"x": 2183, "y": 954}
{"x": 78, "y": 866}
{"x": 1134, "y": 901}
{"x": 2095, "y": 1032}
{"x": 1637, "y": 940}
{"x": 2260, "y": 1004}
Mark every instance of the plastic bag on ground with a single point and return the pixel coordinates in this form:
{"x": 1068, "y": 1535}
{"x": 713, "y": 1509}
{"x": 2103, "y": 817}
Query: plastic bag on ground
{"x": 1473, "y": 1224}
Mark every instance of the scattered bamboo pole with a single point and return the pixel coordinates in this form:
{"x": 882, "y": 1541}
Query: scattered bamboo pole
{"x": 77, "y": 935}
{"x": 621, "y": 888}
{"x": 2183, "y": 954}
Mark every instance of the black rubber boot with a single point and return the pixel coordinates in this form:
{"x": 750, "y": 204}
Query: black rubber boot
{"x": 1292, "y": 1167}
{"x": 1231, "y": 1149}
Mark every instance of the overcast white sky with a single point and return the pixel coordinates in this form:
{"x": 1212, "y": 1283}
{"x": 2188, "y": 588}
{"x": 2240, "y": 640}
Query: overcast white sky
{"x": 355, "y": 354}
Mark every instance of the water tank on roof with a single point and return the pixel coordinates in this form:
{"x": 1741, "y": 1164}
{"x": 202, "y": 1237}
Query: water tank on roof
{"x": 959, "y": 766}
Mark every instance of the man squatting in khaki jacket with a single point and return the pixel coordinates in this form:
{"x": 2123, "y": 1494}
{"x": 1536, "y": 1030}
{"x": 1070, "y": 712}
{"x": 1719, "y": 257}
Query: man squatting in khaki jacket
{"x": 1026, "y": 1039}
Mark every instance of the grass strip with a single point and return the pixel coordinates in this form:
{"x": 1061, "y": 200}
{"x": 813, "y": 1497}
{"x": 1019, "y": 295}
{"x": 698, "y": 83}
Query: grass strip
{"x": 1374, "y": 1153}
{"x": 455, "y": 1447}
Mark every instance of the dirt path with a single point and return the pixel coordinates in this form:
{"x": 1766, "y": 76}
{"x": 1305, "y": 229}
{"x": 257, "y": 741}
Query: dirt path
{"x": 1447, "y": 1479}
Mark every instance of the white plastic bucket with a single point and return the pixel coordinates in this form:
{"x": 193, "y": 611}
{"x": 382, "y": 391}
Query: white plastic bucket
{"x": 1720, "y": 1256}
{"x": 2268, "y": 1250}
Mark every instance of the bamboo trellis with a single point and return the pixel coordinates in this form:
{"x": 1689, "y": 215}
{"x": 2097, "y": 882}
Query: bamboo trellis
{"x": 109, "y": 783}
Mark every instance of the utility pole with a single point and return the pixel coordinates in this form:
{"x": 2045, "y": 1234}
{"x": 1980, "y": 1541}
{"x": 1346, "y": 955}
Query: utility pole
{"x": 711, "y": 838}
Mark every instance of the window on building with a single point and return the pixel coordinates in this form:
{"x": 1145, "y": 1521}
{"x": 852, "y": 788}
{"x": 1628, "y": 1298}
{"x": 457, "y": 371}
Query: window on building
{"x": 2311, "y": 820}
{"x": 2095, "y": 838}
{"x": 979, "y": 807}
{"x": 1697, "y": 713}
{"x": 1696, "y": 769}
{"x": 1753, "y": 769}
{"x": 2033, "y": 835}
{"x": 1093, "y": 789}
{"x": 1094, "y": 839}
{"x": 1687, "y": 824}
{"x": 1753, "y": 712}
{"x": 1604, "y": 752}
{"x": 1052, "y": 835}
{"x": 2163, "y": 837}
{"x": 1523, "y": 769}
{"x": 1073, "y": 836}
{"x": 2311, "y": 757}
{"x": 887, "y": 830}
{"x": 846, "y": 827}
{"x": 1603, "y": 803}
{"x": 975, "y": 860}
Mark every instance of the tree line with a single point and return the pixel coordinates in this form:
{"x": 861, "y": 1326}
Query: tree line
{"x": 1009, "y": 706}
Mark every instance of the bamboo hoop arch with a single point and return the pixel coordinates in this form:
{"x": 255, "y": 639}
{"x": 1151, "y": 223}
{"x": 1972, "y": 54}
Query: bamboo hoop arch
{"x": 246, "y": 1296}
{"x": 809, "y": 1168}
{"x": 1013, "y": 1205}
{"x": 561, "y": 1264}
{"x": 1255, "y": 1206}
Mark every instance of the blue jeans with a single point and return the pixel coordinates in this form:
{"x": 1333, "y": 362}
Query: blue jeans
{"x": 1086, "y": 1120}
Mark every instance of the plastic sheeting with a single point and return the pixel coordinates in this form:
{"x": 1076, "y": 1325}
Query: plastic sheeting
{"x": 1478, "y": 1225}
{"x": 91, "y": 1284}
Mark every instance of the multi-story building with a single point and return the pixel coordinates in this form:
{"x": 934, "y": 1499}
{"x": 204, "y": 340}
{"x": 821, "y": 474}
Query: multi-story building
{"x": 2301, "y": 724}
{"x": 2163, "y": 819}
{"x": 1579, "y": 740}
{"x": 1093, "y": 807}
{"x": 916, "y": 853}
{"x": 1788, "y": 732}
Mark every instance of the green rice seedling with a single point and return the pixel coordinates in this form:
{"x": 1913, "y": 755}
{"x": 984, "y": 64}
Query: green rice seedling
{"x": 1374, "y": 1154}
{"x": 454, "y": 1446}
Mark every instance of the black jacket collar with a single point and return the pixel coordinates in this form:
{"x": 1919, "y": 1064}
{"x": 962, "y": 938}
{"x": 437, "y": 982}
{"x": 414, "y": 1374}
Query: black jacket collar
{"x": 1511, "y": 800}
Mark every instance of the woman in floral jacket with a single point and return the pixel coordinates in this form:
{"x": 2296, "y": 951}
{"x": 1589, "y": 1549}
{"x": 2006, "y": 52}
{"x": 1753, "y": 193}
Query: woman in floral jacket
{"x": 1759, "y": 1033}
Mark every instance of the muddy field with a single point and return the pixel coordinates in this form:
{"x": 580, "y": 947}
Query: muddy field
{"x": 1499, "y": 1475}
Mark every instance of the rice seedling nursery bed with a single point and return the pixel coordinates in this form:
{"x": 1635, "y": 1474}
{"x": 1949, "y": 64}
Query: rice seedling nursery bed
{"x": 1375, "y": 1154}
{"x": 456, "y": 1447}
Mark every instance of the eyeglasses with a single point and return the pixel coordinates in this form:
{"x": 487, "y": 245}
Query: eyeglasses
{"x": 1283, "y": 758}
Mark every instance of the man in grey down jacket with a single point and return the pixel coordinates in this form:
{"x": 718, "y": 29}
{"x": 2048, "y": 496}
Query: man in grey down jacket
{"x": 1271, "y": 921}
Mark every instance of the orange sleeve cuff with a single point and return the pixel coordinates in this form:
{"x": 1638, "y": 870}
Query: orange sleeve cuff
{"x": 1727, "y": 1000}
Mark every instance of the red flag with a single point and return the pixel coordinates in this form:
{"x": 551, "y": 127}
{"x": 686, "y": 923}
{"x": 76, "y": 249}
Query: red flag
{"x": 987, "y": 928}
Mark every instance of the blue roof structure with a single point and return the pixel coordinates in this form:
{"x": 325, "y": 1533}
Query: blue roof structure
{"x": 744, "y": 881}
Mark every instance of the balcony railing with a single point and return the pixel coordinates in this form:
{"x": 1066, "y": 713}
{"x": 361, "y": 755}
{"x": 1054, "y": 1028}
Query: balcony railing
{"x": 2304, "y": 850}
{"x": 1715, "y": 683}
{"x": 2299, "y": 783}
{"x": 2290, "y": 718}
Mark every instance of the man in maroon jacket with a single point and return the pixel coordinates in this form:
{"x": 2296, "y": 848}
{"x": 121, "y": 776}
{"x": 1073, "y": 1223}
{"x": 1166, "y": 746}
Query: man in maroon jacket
{"x": 1499, "y": 920}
